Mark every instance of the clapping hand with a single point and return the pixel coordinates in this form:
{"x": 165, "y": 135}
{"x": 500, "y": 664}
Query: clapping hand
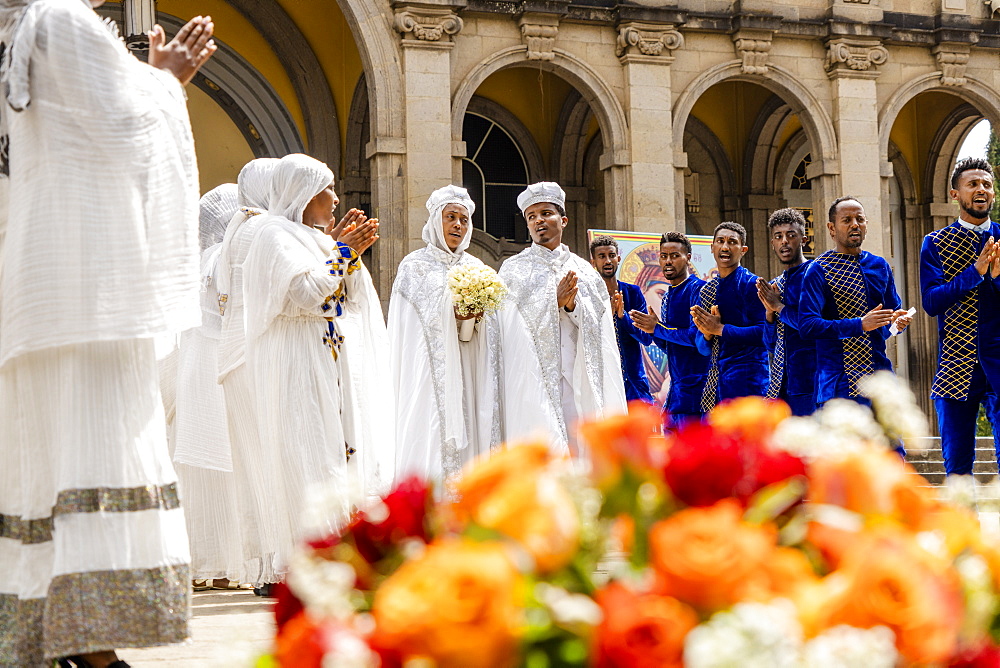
{"x": 184, "y": 55}
{"x": 566, "y": 291}
{"x": 360, "y": 236}
{"x": 646, "y": 322}
{"x": 708, "y": 323}
{"x": 618, "y": 304}
{"x": 879, "y": 317}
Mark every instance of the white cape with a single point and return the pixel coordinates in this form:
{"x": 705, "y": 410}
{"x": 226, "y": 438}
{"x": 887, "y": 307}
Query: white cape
{"x": 447, "y": 391}
{"x": 532, "y": 354}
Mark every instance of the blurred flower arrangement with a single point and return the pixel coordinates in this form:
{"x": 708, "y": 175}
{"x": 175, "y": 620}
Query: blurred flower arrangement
{"x": 754, "y": 539}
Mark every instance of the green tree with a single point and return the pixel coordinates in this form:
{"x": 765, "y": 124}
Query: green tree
{"x": 993, "y": 155}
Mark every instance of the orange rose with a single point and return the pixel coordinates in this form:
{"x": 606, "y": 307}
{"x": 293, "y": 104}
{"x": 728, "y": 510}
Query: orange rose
{"x": 640, "y": 630}
{"x": 480, "y": 478}
{"x": 631, "y": 440}
{"x": 749, "y": 418}
{"x": 458, "y": 605}
{"x": 710, "y": 558}
{"x": 300, "y": 644}
{"x": 514, "y": 495}
{"x": 887, "y": 579}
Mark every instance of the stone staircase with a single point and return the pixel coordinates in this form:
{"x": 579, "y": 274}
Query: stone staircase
{"x": 930, "y": 463}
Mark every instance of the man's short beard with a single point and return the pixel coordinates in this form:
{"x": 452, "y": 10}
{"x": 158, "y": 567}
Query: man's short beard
{"x": 974, "y": 214}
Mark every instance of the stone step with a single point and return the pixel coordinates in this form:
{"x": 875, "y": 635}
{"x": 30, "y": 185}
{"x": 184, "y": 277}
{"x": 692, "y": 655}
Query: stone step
{"x": 925, "y": 456}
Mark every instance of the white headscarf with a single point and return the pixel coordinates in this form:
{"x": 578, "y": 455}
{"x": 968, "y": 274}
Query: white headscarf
{"x": 215, "y": 210}
{"x": 296, "y": 179}
{"x": 433, "y": 232}
{"x": 255, "y": 183}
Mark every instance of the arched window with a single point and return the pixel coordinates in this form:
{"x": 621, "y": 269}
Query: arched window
{"x": 494, "y": 171}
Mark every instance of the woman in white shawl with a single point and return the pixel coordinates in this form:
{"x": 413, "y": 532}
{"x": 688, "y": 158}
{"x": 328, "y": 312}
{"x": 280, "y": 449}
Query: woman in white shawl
{"x": 446, "y": 390}
{"x": 295, "y": 281}
{"x": 202, "y": 453}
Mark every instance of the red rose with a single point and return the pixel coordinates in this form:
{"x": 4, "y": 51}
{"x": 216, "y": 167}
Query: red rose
{"x": 286, "y": 604}
{"x": 703, "y": 466}
{"x": 986, "y": 655}
{"x": 406, "y": 511}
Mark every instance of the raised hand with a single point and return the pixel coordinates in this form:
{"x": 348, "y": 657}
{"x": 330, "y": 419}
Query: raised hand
{"x": 769, "y": 296}
{"x": 901, "y": 319}
{"x": 184, "y": 55}
{"x": 566, "y": 291}
{"x": 878, "y": 317}
{"x": 708, "y": 323}
{"x": 647, "y": 322}
{"x": 987, "y": 256}
{"x": 618, "y": 304}
{"x": 355, "y": 216}
{"x": 360, "y": 236}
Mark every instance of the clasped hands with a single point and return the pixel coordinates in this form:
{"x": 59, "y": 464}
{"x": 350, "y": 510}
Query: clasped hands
{"x": 989, "y": 259}
{"x": 356, "y": 230}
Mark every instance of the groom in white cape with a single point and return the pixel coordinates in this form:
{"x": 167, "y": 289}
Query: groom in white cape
{"x": 560, "y": 355}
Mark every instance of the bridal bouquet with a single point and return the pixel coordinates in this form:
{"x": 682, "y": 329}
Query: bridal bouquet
{"x": 475, "y": 289}
{"x": 754, "y": 539}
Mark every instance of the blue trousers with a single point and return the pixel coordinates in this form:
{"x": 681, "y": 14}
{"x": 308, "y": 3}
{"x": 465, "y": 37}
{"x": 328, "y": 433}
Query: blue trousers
{"x": 674, "y": 421}
{"x": 957, "y": 424}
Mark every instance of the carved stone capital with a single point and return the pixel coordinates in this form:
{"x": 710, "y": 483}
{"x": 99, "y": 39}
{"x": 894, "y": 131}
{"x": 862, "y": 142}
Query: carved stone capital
{"x": 538, "y": 33}
{"x": 951, "y": 60}
{"x": 752, "y": 47}
{"x": 854, "y": 57}
{"x": 645, "y": 41}
{"x": 426, "y": 24}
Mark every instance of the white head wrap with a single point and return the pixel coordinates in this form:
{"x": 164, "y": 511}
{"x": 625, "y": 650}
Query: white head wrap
{"x": 255, "y": 182}
{"x": 215, "y": 210}
{"x": 433, "y": 232}
{"x": 296, "y": 179}
{"x": 544, "y": 191}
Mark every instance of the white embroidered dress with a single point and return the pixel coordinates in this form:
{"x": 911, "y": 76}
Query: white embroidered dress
{"x": 558, "y": 367}
{"x": 294, "y": 279}
{"x": 99, "y": 255}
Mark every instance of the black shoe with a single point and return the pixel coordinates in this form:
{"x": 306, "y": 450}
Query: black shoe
{"x": 263, "y": 590}
{"x": 119, "y": 664}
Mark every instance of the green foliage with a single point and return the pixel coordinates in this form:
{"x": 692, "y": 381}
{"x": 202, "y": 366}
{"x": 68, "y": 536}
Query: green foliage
{"x": 983, "y": 427}
{"x": 993, "y": 155}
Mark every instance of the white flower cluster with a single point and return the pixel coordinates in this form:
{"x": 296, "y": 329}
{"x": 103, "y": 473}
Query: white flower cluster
{"x": 841, "y": 426}
{"x": 324, "y": 587}
{"x": 475, "y": 288}
{"x": 895, "y": 406}
{"x": 753, "y": 635}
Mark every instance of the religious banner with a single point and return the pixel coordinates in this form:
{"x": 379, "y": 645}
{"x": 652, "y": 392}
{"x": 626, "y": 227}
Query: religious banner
{"x": 640, "y": 265}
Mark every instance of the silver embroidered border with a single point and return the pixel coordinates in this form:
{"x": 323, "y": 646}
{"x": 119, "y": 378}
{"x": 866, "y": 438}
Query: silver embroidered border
{"x": 101, "y": 610}
{"x": 92, "y": 500}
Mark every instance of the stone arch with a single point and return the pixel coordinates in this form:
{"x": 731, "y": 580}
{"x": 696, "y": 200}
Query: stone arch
{"x": 944, "y": 149}
{"x": 699, "y": 132}
{"x": 357, "y": 170}
{"x": 570, "y": 142}
{"x": 600, "y": 96}
{"x": 815, "y": 120}
{"x": 985, "y": 100}
{"x": 760, "y": 162}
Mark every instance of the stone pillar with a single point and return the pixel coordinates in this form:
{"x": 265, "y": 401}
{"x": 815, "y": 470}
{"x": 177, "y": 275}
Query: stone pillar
{"x": 646, "y": 51}
{"x": 388, "y": 192}
{"x": 852, "y": 65}
{"x": 427, "y": 28}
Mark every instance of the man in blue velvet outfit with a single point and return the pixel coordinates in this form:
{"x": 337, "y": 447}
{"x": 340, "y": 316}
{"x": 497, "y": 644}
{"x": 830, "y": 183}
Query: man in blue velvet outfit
{"x": 959, "y": 267}
{"x": 625, "y": 297}
{"x": 793, "y": 359}
{"x": 848, "y": 304}
{"x": 674, "y": 331}
{"x": 731, "y": 319}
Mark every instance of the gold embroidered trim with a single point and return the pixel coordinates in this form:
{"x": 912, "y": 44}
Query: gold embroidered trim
{"x": 100, "y": 499}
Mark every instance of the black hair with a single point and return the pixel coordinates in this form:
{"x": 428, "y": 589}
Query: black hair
{"x": 788, "y": 216}
{"x": 676, "y": 238}
{"x": 559, "y": 209}
{"x": 967, "y": 165}
{"x": 735, "y": 227}
{"x": 831, "y": 215}
{"x": 602, "y": 240}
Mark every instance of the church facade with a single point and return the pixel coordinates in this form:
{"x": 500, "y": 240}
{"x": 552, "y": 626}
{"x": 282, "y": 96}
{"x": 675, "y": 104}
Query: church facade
{"x": 652, "y": 115}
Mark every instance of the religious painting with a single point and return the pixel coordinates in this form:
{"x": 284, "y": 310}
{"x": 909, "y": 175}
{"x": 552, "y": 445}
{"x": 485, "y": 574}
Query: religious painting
{"x": 640, "y": 265}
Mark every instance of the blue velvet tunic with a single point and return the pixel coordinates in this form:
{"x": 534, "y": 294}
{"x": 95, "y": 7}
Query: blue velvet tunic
{"x": 676, "y": 335}
{"x": 630, "y": 342}
{"x": 799, "y": 377}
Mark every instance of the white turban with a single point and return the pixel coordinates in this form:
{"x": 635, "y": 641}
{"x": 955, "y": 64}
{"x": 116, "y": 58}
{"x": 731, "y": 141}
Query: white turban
{"x": 215, "y": 210}
{"x": 296, "y": 179}
{"x": 255, "y": 183}
{"x": 433, "y": 232}
{"x": 544, "y": 191}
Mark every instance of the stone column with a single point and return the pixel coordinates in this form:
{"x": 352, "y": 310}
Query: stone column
{"x": 852, "y": 65}
{"x": 388, "y": 192}
{"x": 427, "y": 28}
{"x": 646, "y": 52}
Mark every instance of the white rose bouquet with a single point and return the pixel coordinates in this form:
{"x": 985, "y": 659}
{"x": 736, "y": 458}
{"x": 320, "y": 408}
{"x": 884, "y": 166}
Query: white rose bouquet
{"x": 476, "y": 290}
